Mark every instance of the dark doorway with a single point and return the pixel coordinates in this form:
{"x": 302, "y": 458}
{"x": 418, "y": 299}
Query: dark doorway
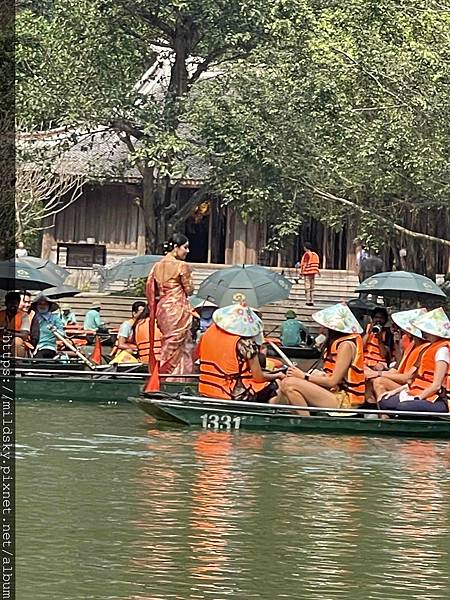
{"x": 197, "y": 232}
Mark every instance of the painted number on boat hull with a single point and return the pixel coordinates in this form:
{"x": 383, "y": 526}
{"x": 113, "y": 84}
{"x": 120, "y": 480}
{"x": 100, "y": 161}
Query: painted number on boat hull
{"x": 211, "y": 421}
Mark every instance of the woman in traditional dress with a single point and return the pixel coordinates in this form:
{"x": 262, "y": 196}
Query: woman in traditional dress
{"x": 168, "y": 287}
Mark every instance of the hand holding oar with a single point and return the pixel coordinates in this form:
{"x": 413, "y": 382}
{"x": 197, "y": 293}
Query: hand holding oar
{"x": 71, "y": 346}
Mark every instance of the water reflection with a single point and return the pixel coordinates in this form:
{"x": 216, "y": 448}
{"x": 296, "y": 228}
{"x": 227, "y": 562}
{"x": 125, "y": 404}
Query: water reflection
{"x": 136, "y": 512}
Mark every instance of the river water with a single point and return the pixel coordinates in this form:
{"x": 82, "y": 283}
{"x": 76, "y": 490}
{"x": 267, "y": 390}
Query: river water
{"x": 111, "y": 507}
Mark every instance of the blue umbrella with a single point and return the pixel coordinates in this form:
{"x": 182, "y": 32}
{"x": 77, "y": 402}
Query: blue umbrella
{"x": 259, "y": 285}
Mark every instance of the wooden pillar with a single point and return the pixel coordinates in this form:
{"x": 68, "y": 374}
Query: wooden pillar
{"x": 251, "y": 253}
{"x": 239, "y": 242}
{"x": 210, "y": 229}
{"x": 140, "y": 245}
{"x": 351, "y": 247}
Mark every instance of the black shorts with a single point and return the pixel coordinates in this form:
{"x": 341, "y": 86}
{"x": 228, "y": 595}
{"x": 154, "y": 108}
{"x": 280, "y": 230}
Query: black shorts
{"x": 266, "y": 393}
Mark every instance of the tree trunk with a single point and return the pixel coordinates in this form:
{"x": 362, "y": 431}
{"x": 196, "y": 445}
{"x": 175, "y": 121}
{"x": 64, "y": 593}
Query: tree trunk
{"x": 148, "y": 210}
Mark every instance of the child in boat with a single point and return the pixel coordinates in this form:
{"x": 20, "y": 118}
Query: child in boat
{"x": 387, "y": 381}
{"x": 342, "y": 380}
{"x": 229, "y": 357}
{"x": 428, "y": 389}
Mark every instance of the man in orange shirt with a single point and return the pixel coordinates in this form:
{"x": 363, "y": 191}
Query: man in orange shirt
{"x": 309, "y": 268}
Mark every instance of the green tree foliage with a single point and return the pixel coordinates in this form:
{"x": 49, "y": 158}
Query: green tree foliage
{"x": 327, "y": 108}
{"x": 79, "y": 62}
{"x": 346, "y": 115}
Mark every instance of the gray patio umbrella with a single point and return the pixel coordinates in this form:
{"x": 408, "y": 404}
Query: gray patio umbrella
{"x": 14, "y": 274}
{"x": 133, "y": 268}
{"x": 258, "y": 284}
{"x": 402, "y": 285}
{"x": 42, "y": 263}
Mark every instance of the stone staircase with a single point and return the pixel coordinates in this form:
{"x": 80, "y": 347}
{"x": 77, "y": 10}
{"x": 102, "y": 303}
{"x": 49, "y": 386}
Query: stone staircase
{"x": 331, "y": 287}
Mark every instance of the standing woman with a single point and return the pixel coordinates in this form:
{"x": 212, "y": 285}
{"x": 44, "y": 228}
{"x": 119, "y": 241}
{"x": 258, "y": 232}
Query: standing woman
{"x": 168, "y": 287}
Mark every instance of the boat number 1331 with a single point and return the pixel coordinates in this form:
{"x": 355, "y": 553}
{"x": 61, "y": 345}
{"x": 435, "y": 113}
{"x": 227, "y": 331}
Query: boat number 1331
{"x": 220, "y": 421}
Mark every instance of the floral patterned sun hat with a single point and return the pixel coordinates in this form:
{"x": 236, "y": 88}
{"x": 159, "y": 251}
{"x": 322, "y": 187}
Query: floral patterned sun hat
{"x": 238, "y": 319}
{"x": 339, "y": 318}
{"x": 404, "y": 319}
{"x": 434, "y": 322}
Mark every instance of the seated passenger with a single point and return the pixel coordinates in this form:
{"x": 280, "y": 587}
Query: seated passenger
{"x": 25, "y": 305}
{"x": 93, "y": 320}
{"x": 142, "y": 339}
{"x": 386, "y": 381}
{"x": 377, "y": 341}
{"x": 14, "y": 326}
{"x": 293, "y": 332}
{"x": 428, "y": 389}
{"x": 125, "y": 338}
{"x": 342, "y": 382}
{"x": 46, "y": 318}
{"x": 67, "y": 316}
{"x": 229, "y": 357}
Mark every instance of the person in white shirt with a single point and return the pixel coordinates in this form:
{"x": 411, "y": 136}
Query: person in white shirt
{"x": 21, "y": 251}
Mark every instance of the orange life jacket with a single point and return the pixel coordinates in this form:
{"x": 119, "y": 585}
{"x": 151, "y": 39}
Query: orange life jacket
{"x": 425, "y": 372}
{"x": 220, "y": 369}
{"x": 372, "y": 349}
{"x": 142, "y": 340}
{"x": 410, "y": 357}
{"x": 310, "y": 263}
{"x": 354, "y": 381}
{"x": 14, "y": 324}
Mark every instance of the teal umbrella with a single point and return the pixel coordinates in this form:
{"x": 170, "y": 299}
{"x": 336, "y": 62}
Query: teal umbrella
{"x": 133, "y": 268}
{"x": 402, "y": 285}
{"x": 16, "y": 275}
{"x": 258, "y": 284}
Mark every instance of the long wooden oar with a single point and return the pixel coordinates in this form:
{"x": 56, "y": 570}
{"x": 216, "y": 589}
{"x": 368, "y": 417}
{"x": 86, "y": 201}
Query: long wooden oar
{"x": 287, "y": 361}
{"x": 71, "y": 346}
{"x": 30, "y": 371}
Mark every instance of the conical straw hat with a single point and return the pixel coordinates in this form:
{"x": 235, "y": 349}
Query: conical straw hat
{"x": 339, "y": 318}
{"x": 434, "y": 322}
{"x": 404, "y": 319}
{"x": 238, "y": 319}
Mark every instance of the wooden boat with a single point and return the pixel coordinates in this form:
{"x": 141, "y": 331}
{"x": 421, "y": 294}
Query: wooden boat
{"x": 303, "y": 352}
{"x": 229, "y": 415}
{"x": 73, "y": 384}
